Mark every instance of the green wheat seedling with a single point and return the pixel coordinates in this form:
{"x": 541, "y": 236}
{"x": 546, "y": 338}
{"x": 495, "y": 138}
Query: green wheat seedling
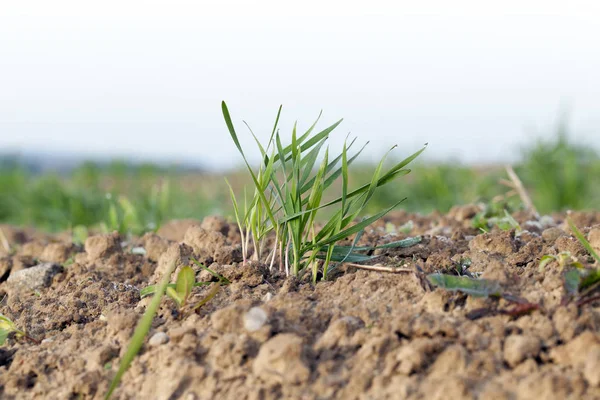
{"x": 564, "y": 259}
{"x": 581, "y": 281}
{"x": 179, "y": 292}
{"x": 7, "y": 327}
{"x": 289, "y": 190}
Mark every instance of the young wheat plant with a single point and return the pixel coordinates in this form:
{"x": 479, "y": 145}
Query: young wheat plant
{"x": 289, "y": 192}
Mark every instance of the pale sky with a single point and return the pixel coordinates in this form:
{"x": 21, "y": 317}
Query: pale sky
{"x": 144, "y": 79}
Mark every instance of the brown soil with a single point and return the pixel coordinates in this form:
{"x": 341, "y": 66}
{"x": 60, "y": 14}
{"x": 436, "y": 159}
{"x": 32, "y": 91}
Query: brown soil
{"x": 362, "y": 335}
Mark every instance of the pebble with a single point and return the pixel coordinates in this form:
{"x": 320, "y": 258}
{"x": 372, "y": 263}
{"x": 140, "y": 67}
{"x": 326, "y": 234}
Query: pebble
{"x": 34, "y": 278}
{"x": 254, "y": 319}
{"x": 267, "y": 297}
{"x": 158, "y": 338}
{"x": 551, "y": 234}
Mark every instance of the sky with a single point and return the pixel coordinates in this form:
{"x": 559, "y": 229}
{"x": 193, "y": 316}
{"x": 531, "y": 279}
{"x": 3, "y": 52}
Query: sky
{"x": 144, "y": 80}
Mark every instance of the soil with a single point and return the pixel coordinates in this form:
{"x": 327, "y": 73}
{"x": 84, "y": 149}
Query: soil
{"x": 361, "y": 335}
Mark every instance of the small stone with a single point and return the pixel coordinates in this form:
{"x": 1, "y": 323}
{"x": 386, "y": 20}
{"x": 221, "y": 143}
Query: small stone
{"x": 520, "y": 347}
{"x": 551, "y": 234}
{"x": 267, "y": 297}
{"x": 254, "y": 319}
{"x": 34, "y": 278}
{"x": 533, "y": 226}
{"x": 157, "y": 339}
{"x": 547, "y": 221}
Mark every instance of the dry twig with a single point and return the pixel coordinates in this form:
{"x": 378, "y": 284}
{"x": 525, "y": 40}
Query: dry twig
{"x": 516, "y": 184}
{"x": 381, "y": 268}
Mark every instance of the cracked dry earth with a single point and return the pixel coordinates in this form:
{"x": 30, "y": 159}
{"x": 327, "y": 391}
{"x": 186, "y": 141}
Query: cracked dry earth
{"x": 362, "y": 335}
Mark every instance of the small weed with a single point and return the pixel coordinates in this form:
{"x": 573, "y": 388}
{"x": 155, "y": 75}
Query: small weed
{"x": 7, "y": 327}
{"x": 564, "y": 260}
{"x": 79, "y": 234}
{"x": 581, "y": 282}
{"x": 496, "y": 213}
{"x": 583, "y": 240}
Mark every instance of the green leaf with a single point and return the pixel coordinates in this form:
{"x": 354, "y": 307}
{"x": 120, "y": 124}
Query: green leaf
{"x": 356, "y": 228}
{"x": 185, "y": 282}
{"x": 588, "y": 277}
{"x": 545, "y": 260}
{"x": 141, "y": 330}
{"x": 3, "y": 335}
{"x": 221, "y": 278}
{"x": 151, "y": 289}
{"x": 473, "y": 287}
{"x": 6, "y": 323}
{"x": 583, "y": 240}
{"x": 346, "y": 257}
{"x": 172, "y": 293}
{"x": 408, "y": 242}
{"x": 342, "y": 250}
{"x": 572, "y": 281}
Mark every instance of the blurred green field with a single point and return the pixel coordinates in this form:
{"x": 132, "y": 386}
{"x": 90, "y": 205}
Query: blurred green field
{"x": 557, "y": 173}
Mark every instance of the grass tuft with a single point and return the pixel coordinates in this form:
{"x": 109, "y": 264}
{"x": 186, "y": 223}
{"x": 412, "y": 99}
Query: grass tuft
{"x": 289, "y": 191}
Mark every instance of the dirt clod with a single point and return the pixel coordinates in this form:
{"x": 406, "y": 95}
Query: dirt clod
{"x": 102, "y": 246}
{"x": 520, "y": 347}
{"x": 279, "y": 360}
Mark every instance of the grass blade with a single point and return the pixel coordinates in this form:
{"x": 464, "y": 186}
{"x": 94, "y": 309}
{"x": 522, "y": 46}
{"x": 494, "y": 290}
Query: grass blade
{"x": 473, "y": 287}
{"x": 151, "y": 289}
{"x": 185, "y": 282}
{"x": 584, "y": 242}
{"x": 141, "y": 330}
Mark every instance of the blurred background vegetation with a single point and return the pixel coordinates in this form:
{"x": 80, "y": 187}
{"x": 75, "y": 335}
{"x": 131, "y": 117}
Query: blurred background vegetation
{"x": 135, "y": 198}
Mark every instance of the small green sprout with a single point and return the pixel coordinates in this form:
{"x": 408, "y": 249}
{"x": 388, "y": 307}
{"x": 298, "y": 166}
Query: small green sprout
{"x": 79, "y": 234}
{"x": 179, "y": 292}
{"x": 584, "y": 242}
{"x": 504, "y": 222}
{"x": 183, "y": 286}
{"x": 582, "y": 281}
{"x": 564, "y": 260}
{"x": 7, "y": 327}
